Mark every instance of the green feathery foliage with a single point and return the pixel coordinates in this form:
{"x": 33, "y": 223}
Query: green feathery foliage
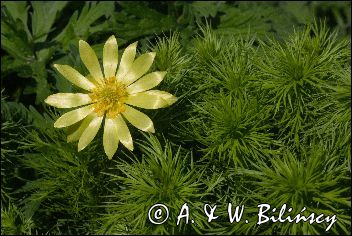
{"x": 14, "y": 120}
{"x": 230, "y": 69}
{"x": 233, "y": 129}
{"x": 334, "y": 110}
{"x": 160, "y": 176}
{"x": 14, "y": 222}
{"x": 293, "y": 73}
{"x": 172, "y": 58}
{"x": 61, "y": 186}
{"x": 310, "y": 177}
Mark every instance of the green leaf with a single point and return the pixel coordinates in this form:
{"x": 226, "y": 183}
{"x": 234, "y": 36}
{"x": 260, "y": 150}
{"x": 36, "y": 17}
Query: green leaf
{"x": 10, "y": 65}
{"x": 91, "y": 12}
{"x": 40, "y": 75}
{"x": 205, "y": 8}
{"x": 248, "y": 17}
{"x": 132, "y": 24}
{"x": 14, "y": 38}
{"x": 80, "y": 25}
{"x": 299, "y": 9}
{"x": 18, "y": 10}
{"x": 44, "y": 15}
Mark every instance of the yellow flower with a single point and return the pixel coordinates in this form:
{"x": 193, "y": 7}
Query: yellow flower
{"x": 111, "y": 95}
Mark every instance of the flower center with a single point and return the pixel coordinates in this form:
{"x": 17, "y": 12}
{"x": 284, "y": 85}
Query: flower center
{"x": 109, "y": 98}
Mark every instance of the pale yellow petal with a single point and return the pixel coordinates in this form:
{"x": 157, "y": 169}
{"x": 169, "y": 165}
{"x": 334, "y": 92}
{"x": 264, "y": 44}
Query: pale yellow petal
{"x": 152, "y": 99}
{"x": 92, "y": 80}
{"x": 74, "y": 116}
{"x": 90, "y": 132}
{"x": 110, "y": 57}
{"x": 124, "y": 133}
{"x": 126, "y": 60}
{"x": 75, "y": 77}
{"x": 90, "y": 60}
{"x": 138, "y": 119}
{"x": 110, "y": 138}
{"x": 147, "y": 82}
{"x": 68, "y": 100}
{"x": 79, "y": 131}
{"x": 139, "y": 67}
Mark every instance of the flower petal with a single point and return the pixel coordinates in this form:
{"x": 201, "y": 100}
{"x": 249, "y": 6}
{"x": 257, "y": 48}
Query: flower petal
{"x": 79, "y": 131}
{"x": 138, "y": 119}
{"x": 68, "y": 100}
{"x": 152, "y": 99}
{"x": 110, "y": 138}
{"x": 126, "y": 60}
{"x": 146, "y": 82}
{"x": 74, "y": 116}
{"x": 139, "y": 67}
{"x": 90, "y": 60}
{"x": 74, "y": 77}
{"x": 124, "y": 133}
{"x": 91, "y": 79}
{"x": 90, "y": 132}
{"x": 110, "y": 57}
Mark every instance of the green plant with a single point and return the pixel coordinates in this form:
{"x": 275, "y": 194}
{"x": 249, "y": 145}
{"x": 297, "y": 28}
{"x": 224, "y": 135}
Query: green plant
{"x": 14, "y": 222}
{"x": 162, "y": 175}
{"x": 310, "y": 177}
{"x": 293, "y": 74}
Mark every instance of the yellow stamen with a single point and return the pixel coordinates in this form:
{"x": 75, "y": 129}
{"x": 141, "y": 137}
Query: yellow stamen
{"x": 109, "y": 98}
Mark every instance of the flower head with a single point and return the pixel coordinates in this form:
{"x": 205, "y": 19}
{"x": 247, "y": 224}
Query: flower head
{"x": 110, "y": 96}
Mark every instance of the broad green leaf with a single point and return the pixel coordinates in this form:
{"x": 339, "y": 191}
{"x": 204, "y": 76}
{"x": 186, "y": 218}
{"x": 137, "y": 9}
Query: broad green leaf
{"x": 44, "y": 15}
